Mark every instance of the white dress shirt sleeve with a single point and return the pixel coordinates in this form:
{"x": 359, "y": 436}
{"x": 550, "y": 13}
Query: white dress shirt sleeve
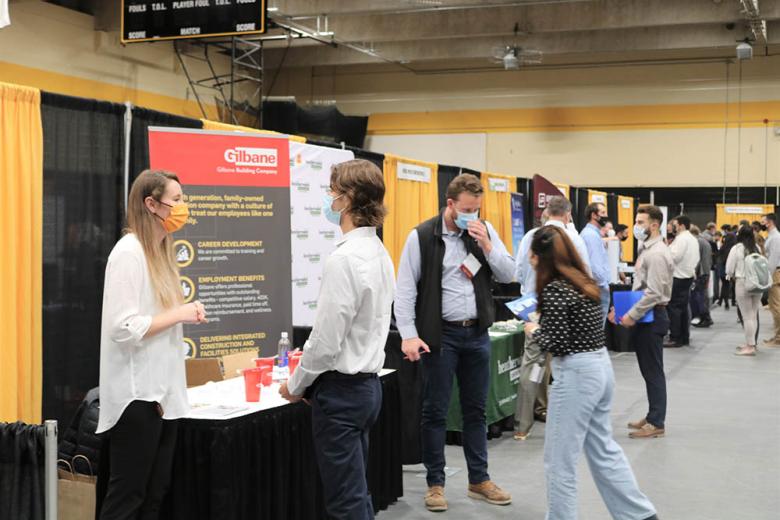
{"x": 122, "y": 299}
{"x": 501, "y": 262}
{"x": 406, "y": 288}
{"x": 677, "y": 249}
{"x": 337, "y": 305}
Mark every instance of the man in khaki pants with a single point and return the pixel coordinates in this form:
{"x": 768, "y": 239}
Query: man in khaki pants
{"x": 772, "y": 249}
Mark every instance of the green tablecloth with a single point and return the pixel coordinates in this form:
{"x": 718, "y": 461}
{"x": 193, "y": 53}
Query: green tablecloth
{"x": 506, "y": 355}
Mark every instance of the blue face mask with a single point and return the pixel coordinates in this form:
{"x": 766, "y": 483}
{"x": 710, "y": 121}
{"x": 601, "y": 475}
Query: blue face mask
{"x": 333, "y": 216}
{"x": 640, "y": 233}
{"x": 463, "y": 219}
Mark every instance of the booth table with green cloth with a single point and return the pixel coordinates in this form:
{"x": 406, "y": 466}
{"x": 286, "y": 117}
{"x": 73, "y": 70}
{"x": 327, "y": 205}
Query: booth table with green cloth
{"x": 506, "y": 354}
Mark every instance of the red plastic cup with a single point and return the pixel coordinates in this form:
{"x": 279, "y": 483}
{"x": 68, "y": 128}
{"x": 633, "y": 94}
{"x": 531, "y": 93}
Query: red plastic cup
{"x": 293, "y": 362}
{"x": 251, "y": 380}
{"x": 265, "y": 362}
{"x": 267, "y": 379}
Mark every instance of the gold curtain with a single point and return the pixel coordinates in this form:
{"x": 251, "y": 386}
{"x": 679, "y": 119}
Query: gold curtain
{"x": 497, "y": 204}
{"x": 625, "y": 216}
{"x": 731, "y": 214}
{"x": 21, "y": 227}
{"x": 409, "y": 202}
{"x": 216, "y": 125}
{"x": 597, "y": 196}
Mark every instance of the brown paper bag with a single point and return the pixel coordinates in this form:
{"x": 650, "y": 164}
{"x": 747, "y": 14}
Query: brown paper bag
{"x": 75, "y": 493}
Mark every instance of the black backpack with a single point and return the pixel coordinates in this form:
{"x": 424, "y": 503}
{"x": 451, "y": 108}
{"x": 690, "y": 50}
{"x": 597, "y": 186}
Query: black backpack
{"x": 80, "y": 437}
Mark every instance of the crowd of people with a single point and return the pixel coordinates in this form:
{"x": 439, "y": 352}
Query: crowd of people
{"x": 443, "y": 306}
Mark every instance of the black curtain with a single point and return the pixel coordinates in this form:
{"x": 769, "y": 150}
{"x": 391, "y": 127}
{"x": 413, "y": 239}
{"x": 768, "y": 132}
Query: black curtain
{"x": 22, "y": 471}
{"x": 445, "y": 175}
{"x": 143, "y": 118}
{"x": 82, "y": 203}
{"x": 327, "y": 123}
{"x": 524, "y": 186}
{"x": 612, "y": 208}
{"x": 579, "y": 200}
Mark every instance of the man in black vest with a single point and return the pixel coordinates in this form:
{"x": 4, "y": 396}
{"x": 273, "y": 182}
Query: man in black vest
{"x": 443, "y": 308}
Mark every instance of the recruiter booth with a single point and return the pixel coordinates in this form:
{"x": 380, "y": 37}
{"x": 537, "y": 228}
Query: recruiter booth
{"x": 252, "y": 254}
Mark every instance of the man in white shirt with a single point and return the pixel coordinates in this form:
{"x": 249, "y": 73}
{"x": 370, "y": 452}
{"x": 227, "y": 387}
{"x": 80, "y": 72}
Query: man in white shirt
{"x": 558, "y": 214}
{"x": 443, "y": 309}
{"x": 685, "y": 255}
{"x": 346, "y": 348}
{"x": 772, "y": 251}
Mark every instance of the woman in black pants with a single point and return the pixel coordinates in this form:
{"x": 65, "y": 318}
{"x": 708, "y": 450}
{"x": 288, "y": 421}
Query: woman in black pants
{"x": 726, "y": 291}
{"x": 142, "y": 382}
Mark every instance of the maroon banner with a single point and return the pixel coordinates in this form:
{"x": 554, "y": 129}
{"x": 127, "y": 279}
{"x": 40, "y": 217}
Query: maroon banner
{"x": 542, "y": 190}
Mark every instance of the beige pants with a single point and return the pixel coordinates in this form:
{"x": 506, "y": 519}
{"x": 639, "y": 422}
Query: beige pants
{"x": 774, "y": 304}
{"x": 749, "y": 303}
{"x": 531, "y": 397}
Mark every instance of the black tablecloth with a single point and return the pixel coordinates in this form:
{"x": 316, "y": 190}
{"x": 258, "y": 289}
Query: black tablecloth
{"x": 262, "y": 466}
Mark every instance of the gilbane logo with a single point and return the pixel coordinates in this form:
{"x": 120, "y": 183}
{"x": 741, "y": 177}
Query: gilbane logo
{"x": 251, "y": 156}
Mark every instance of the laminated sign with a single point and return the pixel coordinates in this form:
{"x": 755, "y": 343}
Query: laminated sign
{"x": 234, "y": 253}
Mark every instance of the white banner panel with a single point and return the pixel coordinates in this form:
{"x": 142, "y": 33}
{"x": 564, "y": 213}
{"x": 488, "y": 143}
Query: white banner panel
{"x": 313, "y": 237}
{"x": 413, "y": 172}
{"x": 498, "y": 184}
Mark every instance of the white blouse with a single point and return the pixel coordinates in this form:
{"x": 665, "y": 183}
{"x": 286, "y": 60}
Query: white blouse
{"x": 133, "y": 368}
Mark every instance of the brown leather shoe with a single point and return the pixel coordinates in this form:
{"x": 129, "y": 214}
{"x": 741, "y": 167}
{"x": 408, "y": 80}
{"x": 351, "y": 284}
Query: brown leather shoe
{"x": 490, "y": 493}
{"x": 434, "y": 499}
{"x": 648, "y": 431}
{"x": 772, "y": 343}
{"x": 637, "y": 425}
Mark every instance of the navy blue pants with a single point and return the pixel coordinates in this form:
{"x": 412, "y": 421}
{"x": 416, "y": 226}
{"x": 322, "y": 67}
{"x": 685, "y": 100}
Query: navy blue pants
{"x": 465, "y": 353}
{"x": 343, "y": 412}
{"x": 679, "y": 315}
{"x": 648, "y": 344}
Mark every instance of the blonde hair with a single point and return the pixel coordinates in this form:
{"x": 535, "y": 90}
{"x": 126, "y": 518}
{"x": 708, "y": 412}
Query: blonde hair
{"x": 160, "y": 257}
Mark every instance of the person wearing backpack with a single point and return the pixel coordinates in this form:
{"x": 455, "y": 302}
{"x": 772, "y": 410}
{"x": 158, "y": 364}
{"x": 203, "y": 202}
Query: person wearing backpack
{"x": 750, "y": 272}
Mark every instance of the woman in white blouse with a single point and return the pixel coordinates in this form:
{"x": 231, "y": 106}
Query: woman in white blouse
{"x": 142, "y": 379}
{"x": 748, "y": 303}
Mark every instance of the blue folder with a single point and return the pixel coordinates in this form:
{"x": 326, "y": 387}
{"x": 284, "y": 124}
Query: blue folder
{"x": 523, "y": 307}
{"x": 624, "y": 300}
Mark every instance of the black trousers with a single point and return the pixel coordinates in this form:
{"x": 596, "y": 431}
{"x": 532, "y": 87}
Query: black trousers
{"x": 135, "y": 462}
{"x": 679, "y": 315}
{"x": 648, "y": 343}
{"x": 343, "y": 412}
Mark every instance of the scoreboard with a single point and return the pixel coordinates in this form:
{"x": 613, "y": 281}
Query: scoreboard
{"x": 144, "y": 20}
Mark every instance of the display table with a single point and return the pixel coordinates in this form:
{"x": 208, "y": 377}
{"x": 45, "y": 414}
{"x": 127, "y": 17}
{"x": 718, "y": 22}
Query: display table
{"x": 236, "y": 460}
{"x": 506, "y": 355}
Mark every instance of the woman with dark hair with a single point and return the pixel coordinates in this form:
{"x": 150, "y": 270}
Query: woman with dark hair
{"x": 571, "y": 329}
{"x": 729, "y": 239}
{"x": 748, "y": 302}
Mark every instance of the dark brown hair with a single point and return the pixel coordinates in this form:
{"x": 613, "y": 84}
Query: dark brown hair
{"x": 558, "y": 258}
{"x": 464, "y": 183}
{"x": 652, "y": 212}
{"x": 363, "y": 183}
{"x": 592, "y": 208}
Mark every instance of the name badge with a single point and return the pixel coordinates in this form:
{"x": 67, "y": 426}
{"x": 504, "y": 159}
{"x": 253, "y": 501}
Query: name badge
{"x": 537, "y": 374}
{"x": 470, "y": 266}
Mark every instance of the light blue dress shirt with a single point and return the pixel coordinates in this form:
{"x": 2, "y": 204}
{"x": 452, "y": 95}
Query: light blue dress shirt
{"x": 458, "y": 301}
{"x": 525, "y": 274}
{"x": 597, "y": 254}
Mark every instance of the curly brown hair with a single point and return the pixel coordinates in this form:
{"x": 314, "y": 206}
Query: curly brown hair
{"x": 363, "y": 183}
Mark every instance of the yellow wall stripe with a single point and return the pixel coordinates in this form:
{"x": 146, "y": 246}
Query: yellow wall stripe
{"x": 74, "y": 86}
{"x": 571, "y": 119}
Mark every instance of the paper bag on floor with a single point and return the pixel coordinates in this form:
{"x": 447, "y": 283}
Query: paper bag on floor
{"x": 75, "y": 493}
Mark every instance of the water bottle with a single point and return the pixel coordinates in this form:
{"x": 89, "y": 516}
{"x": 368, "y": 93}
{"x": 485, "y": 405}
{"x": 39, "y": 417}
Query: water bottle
{"x": 281, "y": 357}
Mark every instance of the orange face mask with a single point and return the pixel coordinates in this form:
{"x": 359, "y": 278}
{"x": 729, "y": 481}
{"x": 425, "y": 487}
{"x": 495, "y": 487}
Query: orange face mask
{"x": 177, "y": 217}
